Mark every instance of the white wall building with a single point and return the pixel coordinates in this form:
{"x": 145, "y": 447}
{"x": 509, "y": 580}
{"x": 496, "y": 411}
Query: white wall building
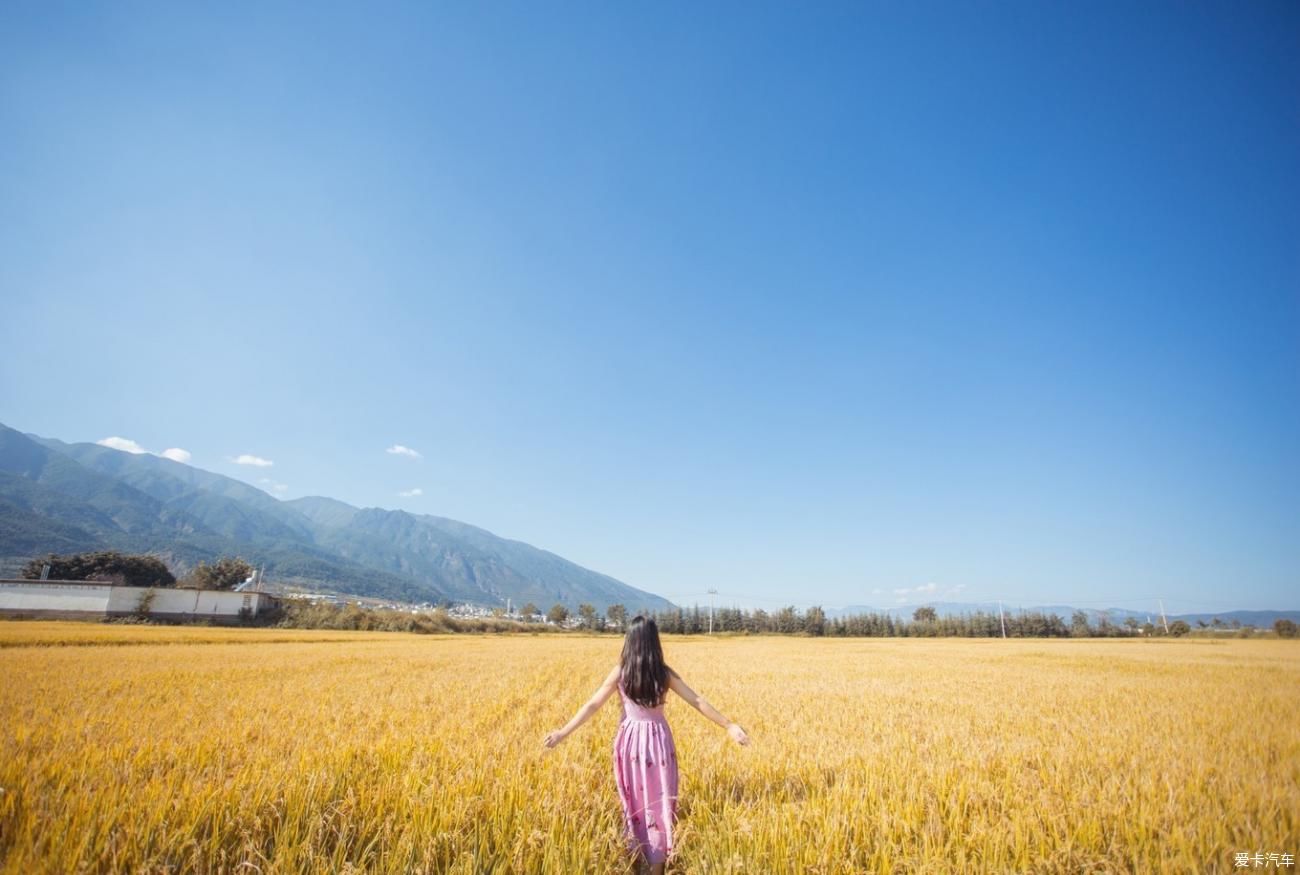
{"x": 90, "y": 599}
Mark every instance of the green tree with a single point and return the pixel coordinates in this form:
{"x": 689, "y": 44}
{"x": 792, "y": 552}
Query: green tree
{"x": 1284, "y": 628}
{"x": 108, "y": 565}
{"x": 529, "y": 611}
{"x": 557, "y": 614}
{"x": 227, "y": 573}
{"x": 145, "y": 605}
{"x": 925, "y": 614}
{"x": 695, "y": 625}
{"x": 587, "y": 614}
{"x": 814, "y": 621}
{"x": 1179, "y": 628}
{"x": 1079, "y": 627}
{"x": 617, "y": 615}
{"x": 787, "y": 620}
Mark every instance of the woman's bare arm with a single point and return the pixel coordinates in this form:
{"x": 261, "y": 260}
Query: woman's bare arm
{"x": 699, "y": 703}
{"x": 598, "y": 698}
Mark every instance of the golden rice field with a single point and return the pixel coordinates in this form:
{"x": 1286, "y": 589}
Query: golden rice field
{"x": 246, "y": 751}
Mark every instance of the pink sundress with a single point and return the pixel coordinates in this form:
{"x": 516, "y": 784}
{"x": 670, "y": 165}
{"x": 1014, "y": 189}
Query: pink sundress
{"x": 645, "y": 770}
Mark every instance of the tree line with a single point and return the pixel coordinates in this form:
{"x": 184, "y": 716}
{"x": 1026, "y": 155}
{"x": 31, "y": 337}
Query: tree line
{"x": 108, "y": 566}
{"x": 923, "y": 623}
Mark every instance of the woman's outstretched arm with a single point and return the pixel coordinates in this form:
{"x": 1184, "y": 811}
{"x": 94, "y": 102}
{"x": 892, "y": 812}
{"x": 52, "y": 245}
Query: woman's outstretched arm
{"x": 606, "y": 689}
{"x": 699, "y": 703}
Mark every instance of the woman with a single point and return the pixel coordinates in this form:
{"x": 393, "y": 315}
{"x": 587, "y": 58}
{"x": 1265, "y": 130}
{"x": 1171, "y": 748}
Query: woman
{"x": 645, "y": 760}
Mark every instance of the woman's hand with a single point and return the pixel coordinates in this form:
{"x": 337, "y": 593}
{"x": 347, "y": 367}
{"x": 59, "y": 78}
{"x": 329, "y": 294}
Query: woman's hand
{"x": 553, "y": 738}
{"x": 737, "y": 734}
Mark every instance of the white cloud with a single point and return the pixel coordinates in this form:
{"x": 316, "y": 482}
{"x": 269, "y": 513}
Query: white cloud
{"x": 274, "y": 485}
{"x": 399, "y": 450}
{"x": 124, "y": 444}
{"x": 411, "y": 493}
{"x": 901, "y": 594}
{"x": 919, "y": 593}
{"x": 255, "y": 461}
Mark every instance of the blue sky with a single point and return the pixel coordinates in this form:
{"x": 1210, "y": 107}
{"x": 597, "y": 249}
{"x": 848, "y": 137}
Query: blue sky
{"x": 868, "y": 305}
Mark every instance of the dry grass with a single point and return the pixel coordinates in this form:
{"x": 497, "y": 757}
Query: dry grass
{"x": 300, "y": 751}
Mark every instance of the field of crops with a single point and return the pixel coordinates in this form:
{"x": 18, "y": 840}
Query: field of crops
{"x": 205, "y": 750}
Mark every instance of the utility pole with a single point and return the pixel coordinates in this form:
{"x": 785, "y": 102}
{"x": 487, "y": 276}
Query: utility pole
{"x": 1003, "y": 619}
{"x": 712, "y": 593}
{"x": 1163, "y": 619}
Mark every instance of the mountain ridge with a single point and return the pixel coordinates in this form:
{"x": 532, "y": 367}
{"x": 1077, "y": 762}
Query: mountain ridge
{"x": 68, "y": 497}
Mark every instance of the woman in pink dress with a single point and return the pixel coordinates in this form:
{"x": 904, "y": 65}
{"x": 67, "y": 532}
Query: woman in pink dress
{"x": 645, "y": 760}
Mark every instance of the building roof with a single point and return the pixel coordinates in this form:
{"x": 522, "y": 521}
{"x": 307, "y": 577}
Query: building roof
{"x": 4, "y": 581}
{"x": 26, "y": 582}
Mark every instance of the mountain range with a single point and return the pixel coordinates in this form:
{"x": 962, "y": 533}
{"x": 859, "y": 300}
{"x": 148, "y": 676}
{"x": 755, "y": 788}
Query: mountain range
{"x": 57, "y": 497}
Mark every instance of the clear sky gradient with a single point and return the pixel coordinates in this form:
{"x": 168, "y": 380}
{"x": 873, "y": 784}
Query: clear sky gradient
{"x": 870, "y": 304}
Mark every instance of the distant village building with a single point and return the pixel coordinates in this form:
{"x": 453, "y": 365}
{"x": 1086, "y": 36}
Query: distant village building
{"x": 90, "y": 599}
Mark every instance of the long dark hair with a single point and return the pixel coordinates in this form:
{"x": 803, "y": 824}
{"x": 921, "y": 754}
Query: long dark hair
{"x": 641, "y": 668}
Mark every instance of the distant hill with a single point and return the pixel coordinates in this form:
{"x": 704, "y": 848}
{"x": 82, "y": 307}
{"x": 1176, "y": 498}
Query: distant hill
{"x": 57, "y": 497}
{"x": 471, "y": 562}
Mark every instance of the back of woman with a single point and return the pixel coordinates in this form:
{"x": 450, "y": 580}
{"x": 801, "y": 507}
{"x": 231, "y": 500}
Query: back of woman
{"x": 635, "y": 711}
{"x": 645, "y": 757}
